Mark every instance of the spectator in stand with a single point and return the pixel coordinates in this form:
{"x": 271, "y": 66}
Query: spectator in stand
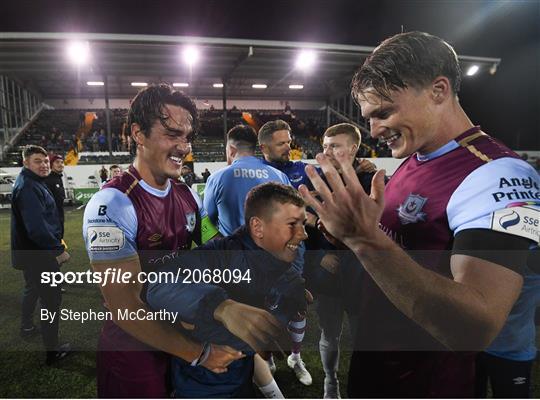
{"x": 44, "y": 141}
{"x": 95, "y": 141}
{"x": 102, "y": 140}
{"x": 115, "y": 142}
{"x": 124, "y": 143}
{"x": 82, "y": 117}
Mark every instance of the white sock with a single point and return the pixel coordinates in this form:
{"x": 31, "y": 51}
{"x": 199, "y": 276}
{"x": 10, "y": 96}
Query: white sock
{"x": 271, "y": 391}
{"x": 296, "y": 356}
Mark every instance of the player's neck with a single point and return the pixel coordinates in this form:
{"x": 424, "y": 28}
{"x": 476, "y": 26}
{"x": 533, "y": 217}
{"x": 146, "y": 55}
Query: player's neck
{"x": 451, "y": 125}
{"x": 157, "y": 182}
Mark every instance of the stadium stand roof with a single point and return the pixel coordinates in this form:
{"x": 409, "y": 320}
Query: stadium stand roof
{"x": 38, "y": 60}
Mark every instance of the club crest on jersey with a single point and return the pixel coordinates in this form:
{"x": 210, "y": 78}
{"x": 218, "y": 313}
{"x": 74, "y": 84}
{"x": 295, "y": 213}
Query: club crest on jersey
{"x": 410, "y": 211}
{"x": 191, "y": 221}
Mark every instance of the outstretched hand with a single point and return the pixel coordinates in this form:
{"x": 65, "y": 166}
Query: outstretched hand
{"x": 347, "y": 212}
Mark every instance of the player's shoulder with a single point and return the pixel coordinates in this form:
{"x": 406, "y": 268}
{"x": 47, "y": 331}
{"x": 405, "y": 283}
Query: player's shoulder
{"x": 110, "y": 203}
{"x": 504, "y": 172}
{"x": 109, "y": 196}
{"x": 123, "y": 183}
{"x": 488, "y": 192}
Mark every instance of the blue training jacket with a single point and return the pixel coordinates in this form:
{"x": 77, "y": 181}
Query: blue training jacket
{"x": 274, "y": 285}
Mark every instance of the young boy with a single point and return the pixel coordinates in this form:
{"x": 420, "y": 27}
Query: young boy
{"x": 260, "y": 256}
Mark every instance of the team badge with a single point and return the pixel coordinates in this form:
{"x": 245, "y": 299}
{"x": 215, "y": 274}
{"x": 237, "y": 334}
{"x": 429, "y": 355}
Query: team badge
{"x": 191, "y": 221}
{"x": 410, "y": 211}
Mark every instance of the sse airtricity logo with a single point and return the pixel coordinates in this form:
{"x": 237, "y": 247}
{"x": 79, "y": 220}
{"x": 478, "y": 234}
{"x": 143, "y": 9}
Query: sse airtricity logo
{"x": 508, "y": 220}
{"x": 93, "y": 236}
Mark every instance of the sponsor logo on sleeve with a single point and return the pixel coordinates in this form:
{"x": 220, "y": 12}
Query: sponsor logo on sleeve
{"x": 516, "y": 188}
{"x": 105, "y": 238}
{"x": 521, "y": 221}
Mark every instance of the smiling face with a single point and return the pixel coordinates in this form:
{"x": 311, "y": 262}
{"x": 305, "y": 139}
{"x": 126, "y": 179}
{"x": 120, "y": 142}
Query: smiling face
{"x": 38, "y": 164}
{"x": 278, "y": 149}
{"x": 281, "y": 231}
{"x": 407, "y": 124}
{"x": 163, "y": 149}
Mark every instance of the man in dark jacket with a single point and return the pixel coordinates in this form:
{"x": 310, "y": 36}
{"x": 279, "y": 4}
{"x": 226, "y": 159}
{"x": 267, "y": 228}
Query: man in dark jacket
{"x": 36, "y": 247}
{"x": 343, "y": 272}
{"x": 258, "y": 257}
{"x": 55, "y": 184}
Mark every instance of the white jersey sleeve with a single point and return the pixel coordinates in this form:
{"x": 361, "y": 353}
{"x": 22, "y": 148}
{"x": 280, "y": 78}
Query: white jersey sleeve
{"x": 502, "y": 195}
{"x": 110, "y": 226}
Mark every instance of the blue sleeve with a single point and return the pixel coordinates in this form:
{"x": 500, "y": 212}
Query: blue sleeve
{"x": 210, "y": 201}
{"x": 32, "y": 207}
{"x": 195, "y": 302}
{"x": 110, "y": 227}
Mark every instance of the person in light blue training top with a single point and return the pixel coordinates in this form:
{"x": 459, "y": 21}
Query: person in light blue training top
{"x": 226, "y": 190}
{"x": 507, "y": 362}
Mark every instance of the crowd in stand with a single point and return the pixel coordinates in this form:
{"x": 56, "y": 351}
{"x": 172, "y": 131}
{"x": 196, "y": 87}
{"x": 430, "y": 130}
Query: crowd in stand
{"x": 60, "y": 131}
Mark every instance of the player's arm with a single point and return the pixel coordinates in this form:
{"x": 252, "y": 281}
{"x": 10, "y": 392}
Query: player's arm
{"x": 109, "y": 232}
{"x": 209, "y": 305}
{"x": 464, "y": 313}
{"x": 126, "y": 296}
{"x": 206, "y": 229}
{"x": 210, "y": 204}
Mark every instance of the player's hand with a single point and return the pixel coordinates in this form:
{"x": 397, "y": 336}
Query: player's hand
{"x": 257, "y": 327}
{"x": 346, "y": 211}
{"x": 367, "y": 166}
{"x": 330, "y": 238}
{"x": 330, "y": 262}
{"x": 311, "y": 219}
{"x": 63, "y": 258}
{"x": 220, "y": 357}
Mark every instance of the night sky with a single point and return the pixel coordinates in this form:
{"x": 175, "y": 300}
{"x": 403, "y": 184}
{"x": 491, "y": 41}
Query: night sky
{"x": 507, "y": 105}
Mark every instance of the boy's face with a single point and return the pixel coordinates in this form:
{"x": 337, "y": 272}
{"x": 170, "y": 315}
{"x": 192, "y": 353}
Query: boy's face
{"x": 282, "y": 231}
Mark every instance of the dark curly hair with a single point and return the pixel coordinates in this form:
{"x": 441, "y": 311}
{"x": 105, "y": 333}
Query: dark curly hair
{"x": 148, "y": 104}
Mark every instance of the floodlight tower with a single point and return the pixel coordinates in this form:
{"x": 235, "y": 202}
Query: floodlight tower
{"x": 78, "y": 53}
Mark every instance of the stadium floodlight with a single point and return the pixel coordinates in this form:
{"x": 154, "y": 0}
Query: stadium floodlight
{"x": 180, "y": 84}
{"x": 259, "y": 86}
{"x": 190, "y": 55}
{"x": 95, "y": 83}
{"x": 473, "y": 69}
{"x": 78, "y": 52}
{"x": 306, "y": 60}
{"x": 296, "y": 87}
{"x": 139, "y": 84}
{"x": 218, "y": 85}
